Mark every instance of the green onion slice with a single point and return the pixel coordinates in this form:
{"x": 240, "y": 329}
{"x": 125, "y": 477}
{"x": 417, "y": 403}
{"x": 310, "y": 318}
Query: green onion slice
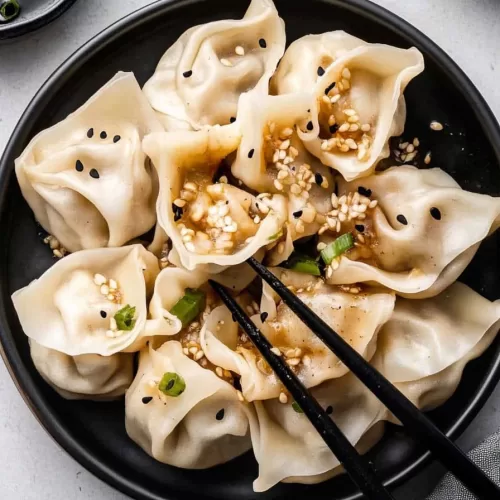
{"x": 302, "y": 264}
{"x": 275, "y": 236}
{"x": 125, "y": 318}
{"x": 296, "y": 407}
{"x": 172, "y": 384}
{"x": 189, "y": 306}
{"x": 9, "y": 10}
{"x": 337, "y": 247}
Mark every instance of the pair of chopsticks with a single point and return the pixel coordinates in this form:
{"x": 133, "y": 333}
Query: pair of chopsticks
{"x": 409, "y": 415}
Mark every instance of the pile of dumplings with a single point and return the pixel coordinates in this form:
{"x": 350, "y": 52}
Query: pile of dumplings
{"x": 237, "y": 148}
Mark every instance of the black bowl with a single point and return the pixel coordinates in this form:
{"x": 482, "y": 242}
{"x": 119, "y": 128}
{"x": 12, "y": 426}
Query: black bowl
{"x": 94, "y": 433}
{"x": 34, "y": 14}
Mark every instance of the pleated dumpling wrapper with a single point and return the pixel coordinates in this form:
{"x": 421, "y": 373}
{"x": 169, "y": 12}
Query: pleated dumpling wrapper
{"x": 422, "y": 349}
{"x": 210, "y": 222}
{"x": 356, "y": 317}
{"x": 272, "y": 159}
{"x": 199, "y": 79}
{"x": 86, "y": 376}
{"x": 415, "y": 230}
{"x": 205, "y": 425}
{"x": 92, "y": 302}
{"x": 359, "y": 90}
{"x": 87, "y": 179}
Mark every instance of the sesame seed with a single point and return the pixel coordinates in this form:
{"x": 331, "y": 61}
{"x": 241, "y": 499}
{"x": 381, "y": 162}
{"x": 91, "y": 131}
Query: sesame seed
{"x": 190, "y": 246}
{"x": 226, "y": 62}
{"x": 256, "y": 219}
{"x": 403, "y": 145}
{"x": 436, "y": 126}
{"x": 410, "y": 156}
{"x": 402, "y": 219}
{"x": 351, "y": 143}
{"x": 346, "y": 73}
{"x": 416, "y": 142}
{"x": 251, "y": 152}
{"x": 116, "y": 138}
{"x": 147, "y": 400}
{"x": 364, "y": 191}
{"x": 112, "y": 323}
{"x": 318, "y": 178}
{"x": 180, "y": 203}
{"x": 366, "y": 127}
{"x": 320, "y": 246}
{"x": 353, "y": 119}
{"x": 335, "y": 98}
{"x": 187, "y": 74}
{"x": 240, "y": 396}
{"x": 344, "y": 127}
{"x": 349, "y": 112}
{"x": 103, "y": 314}
{"x": 57, "y": 253}
{"x": 239, "y": 50}
{"x": 310, "y": 125}
{"x": 436, "y": 213}
{"x": 113, "y": 285}
{"x": 262, "y": 43}
{"x": 278, "y": 185}
{"x": 326, "y": 99}
{"x": 283, "y": 398}
{"x": 299, "y": 227}
{"x": 223, "y": 179}
{"x": 90, "y": 133}
{"x": 298, "y": 214}
{"x": 185, "y": 350}
{"x": 94, "y": 174}
{"x": 276, "y": 351}
{"x": 428, "y": 158}
{"x": 220, "y": 414}
{"x": 329, "y": 410}
{"x": 360, "y": 228}
{"x": 283, "y": 174}
{"x": 373, "y": 203}
{"x": 104, "y": 289}
{"x": 329, "y": 88}
{"x": 354, "y": 127}
{"x": 99, "y": 279}
{"x": 79, "y": 166}
{"x": 232, "y": 119}
{"x": 321, "y": 71}
{"x": 361, "y": 238}
{"x": 219, "y": 371}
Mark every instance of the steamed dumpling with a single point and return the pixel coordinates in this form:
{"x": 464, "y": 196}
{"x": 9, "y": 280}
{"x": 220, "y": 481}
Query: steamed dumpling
{"x": 206, "y": 425}
{"x": 419, "y": 237}
{"x": 199, "y": 79}
{"x": 359, "y": 90}
{"x": 92, "y": 302}
{"x": 356, "y": 317}
{"x": 87, "y": 376}
{"x": 209, "y": 222}
{"x": 87, "y": 179}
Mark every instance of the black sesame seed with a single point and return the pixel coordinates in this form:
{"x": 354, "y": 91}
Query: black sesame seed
{"x": 333, "y": 128}
{"x": 90, "y": 133}
{"x": 220, "y": 414}
{"x": 170, "y": 384}
{"x": 262, "y": 43}
{"x": 187, "y": 74}
{"x": 360, "y": 228}
{"x": 297, "y": 214}
{"x": 263, "y": 316}
{"x": 103, "y": 314}
{"x": 103, "y": 135}
{"x": 401, "y": 218}
{"x": 233, "y": 317}
{"x": 116, "y": 138}
{"x": 364, "y": 191}
{"x": 232, "y": 119}
{"x": 251, "y": 152}
{"x": 310, "y": 125}
{"x": 177, "y": 212}
{"x": 330, "y": 87}
{"x": 436, "y": 213}
{"x": 321, "y": 71}
{"x": 318, "y": 178}
{"x": 329, "y": 410}
{"x": 147, "y": 400}
{"x": 79, "y": 166}
{"x": 94, "y": 174}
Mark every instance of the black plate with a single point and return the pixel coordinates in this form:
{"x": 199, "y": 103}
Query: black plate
{"x": 34, "y": 14}
{"x": 94, "y": 433}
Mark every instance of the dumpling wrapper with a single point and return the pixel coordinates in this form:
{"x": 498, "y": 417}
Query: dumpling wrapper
{"x": 62, "y": 309}
{"x": 186, "y": 431}
{"x": 421, "y": 258}
{"x": 356, "y": 317}
{"x": 287, "y": 446}
{"x": 377, "y": 77}
{"x": 192, "y": 87}
{"x": 87, "y": 376}
{"x": 195, "y": 157}
{"x": 91, "y": 192}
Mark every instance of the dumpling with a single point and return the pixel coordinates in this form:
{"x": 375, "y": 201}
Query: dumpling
{"x": 357, "y": 317}
{"x": 209, "y": 221}
{"x": 199, "y": 79}
{"x": 272, "y": 159}
{"x": 87, "y": 376}
{"x": 207, "y": 424}
{"x": 87, "y": 179}
{"x": 359, "y": 90}
{"x": 92, "y": 302}
{"x": 415, "y": 236}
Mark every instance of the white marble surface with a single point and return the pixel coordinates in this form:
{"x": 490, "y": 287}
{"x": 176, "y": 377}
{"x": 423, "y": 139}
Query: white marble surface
{"x": 33, "y": 466}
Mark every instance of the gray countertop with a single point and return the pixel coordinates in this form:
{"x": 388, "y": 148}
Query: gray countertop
{"x": 33, "y": 466}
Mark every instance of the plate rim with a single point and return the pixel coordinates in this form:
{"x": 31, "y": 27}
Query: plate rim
{"x": 22, "y": 379}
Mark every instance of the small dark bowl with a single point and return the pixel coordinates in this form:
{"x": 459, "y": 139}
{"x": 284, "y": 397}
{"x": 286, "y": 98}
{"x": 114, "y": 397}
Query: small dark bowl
{"x": 34, "y": 14}
{"x": 94, "y": 433}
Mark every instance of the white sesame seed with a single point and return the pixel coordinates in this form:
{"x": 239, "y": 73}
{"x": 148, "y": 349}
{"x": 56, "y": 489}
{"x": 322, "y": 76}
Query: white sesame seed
{"x": 410, "y": 157}
{"x": 325, "y": 146}
{"x": 179, "y": 202}
{"x": 219, "y": 372}
{"x": 416, "y": 142}
{"x": 428, "y": 158}
{"x": 113, "y": 285}
{"x": 342, "y": 217}
{"x": 199, "y": 355}
{"x": 281, "y": 248}
{"x": 239, "y": 50}
{"x": 344, "y": 127}
{"x": 288, "y": 160}
{"x": 325, "y": 99}
{"x": 329, "y": 272}
{"x": 283, "y": 398}
{"x": 276, "y": 351}
{"x": 295, "y": 189}
{"x": 361, "y": 238}
{"x": 185, "y": 350}
{"x": 366, "y": 127}
{"x": 349, "y": 112}
{"x": 320, "y": 246}
{"x": 361, "y": 152}
{"x": 346, "y": 73}
{"x": 256, "y": 219}
{"x": 99, "y": 279}
{"x": 190, "y": 246}
{"x": 278, "y": 185}
{"x": 293, "y": 151}
{"x": 410, "y": 148}
{"x": 353, "y": 119}
{"x": 335, "y": 98}
{"x": 190, "y": 186}
{"x": 110, "y": 334}
{"x": 403, "y": 145}
{"x": 373, "y": 203}
{"x": 436, "y": 126}
{"x": 346, "y": 84}
{"x": 240, "y": 396}
{"x": 335, "y": 264}
{"x": 354, "y": 290}
{"x": 282, "y": 174}
{"x": 351, "y": 143}
{"x": 354, "y": 127}
{"x": 226, "y": 62}
{"x": 193, "y": 350}
{"x": 285, "y": 144}
{"x": 344, "y": 148}
{"x": 293, "y": 361}
{"x": 331, "y": 120}
{"x": 112, "y": 324}
{"x": 104, "y": 289}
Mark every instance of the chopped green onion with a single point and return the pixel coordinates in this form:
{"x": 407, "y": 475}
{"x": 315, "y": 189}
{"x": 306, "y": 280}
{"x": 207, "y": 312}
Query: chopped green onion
{"x": 125, "y": 318}
{"x": 296, "y": 407}
{"x": 172, "y": 384}
{"x": 189, "y": 306}
{"x": 337, "y": 247}
{"x": 302, "y": 264}
{"x": 275, "y": 236}
{"x": 9, "y": 10}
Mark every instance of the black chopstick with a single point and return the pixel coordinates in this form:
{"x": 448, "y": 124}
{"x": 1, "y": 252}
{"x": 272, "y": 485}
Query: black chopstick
{"x": 356, "y": 466}
{"x": 418, "y": 425}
